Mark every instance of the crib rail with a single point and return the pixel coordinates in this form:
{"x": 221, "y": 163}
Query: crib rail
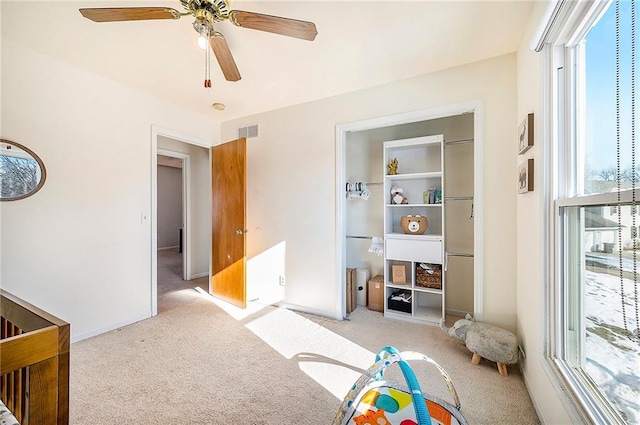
{"x": 34, "y": 363}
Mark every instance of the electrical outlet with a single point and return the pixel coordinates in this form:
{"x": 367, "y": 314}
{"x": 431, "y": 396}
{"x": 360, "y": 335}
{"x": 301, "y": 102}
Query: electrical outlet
{"x": 281, "y": 280}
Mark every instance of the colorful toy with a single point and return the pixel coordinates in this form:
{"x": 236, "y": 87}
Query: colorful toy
{"x": 374, "y": 401}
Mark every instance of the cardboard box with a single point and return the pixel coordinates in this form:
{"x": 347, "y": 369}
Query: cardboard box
{"x": 376, "y": 293}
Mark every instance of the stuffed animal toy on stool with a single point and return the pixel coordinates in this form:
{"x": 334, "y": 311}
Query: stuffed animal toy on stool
{"x": 485, "y": 340}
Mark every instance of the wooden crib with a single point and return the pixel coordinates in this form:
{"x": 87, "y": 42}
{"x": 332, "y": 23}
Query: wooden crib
{"x": 34, "y": 363}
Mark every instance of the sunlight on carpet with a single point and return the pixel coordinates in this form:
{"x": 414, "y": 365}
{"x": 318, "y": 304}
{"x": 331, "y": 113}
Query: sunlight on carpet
{"x": 330, "y": 359}
{"x": 233, "y": 311}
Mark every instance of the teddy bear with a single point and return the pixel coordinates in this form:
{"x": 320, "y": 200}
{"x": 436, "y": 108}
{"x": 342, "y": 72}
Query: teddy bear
{"x": 414, "y": 224}
{"x": 397, "y": 197}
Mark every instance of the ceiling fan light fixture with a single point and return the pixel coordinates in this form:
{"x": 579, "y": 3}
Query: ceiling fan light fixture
{"x": 204, "y": 27}
{"x": 203, "y": 41}
{"x": 206, "y": 14}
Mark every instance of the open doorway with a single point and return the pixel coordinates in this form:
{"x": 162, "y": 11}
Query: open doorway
{"x": 180, "y": 239}
{"x": 172, "y": 205}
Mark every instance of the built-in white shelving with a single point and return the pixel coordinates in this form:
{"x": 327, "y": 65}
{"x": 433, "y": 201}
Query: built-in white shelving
{"x": 420, "y": 168}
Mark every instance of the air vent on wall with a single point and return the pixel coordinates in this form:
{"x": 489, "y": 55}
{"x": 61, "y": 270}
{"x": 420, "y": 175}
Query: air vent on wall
{"x": 249, "y": 132}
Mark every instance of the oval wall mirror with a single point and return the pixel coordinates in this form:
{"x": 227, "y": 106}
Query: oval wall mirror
{"x": 22, "y": 172}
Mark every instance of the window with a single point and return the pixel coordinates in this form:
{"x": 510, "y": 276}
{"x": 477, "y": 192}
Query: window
{"x": 21, "y": 174}
{"x": 594, "y": 336}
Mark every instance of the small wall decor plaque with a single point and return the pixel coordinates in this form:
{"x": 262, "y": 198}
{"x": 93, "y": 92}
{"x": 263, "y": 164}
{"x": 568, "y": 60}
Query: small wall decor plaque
{"x": 525, "y": 134}
{"x": 525, "y": 176}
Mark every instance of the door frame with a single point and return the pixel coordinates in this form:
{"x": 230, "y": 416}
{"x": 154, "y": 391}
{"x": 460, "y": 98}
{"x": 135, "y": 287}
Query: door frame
{"x": 157, "y": 131}
{"x": 186, "y": 207}
{"x": 476, "y": 107}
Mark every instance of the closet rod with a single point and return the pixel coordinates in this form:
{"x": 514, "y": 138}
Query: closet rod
{"x": 359, "y": 237}
{"x": 457, "y": 142}
{"x": 353, "y": 187}
{"x": 458, "y": 198}
{"x": 372, "y": 184}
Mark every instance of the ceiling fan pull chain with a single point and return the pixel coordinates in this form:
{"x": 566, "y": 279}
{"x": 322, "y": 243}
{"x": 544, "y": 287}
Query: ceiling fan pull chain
{"x": 207, "y": 68}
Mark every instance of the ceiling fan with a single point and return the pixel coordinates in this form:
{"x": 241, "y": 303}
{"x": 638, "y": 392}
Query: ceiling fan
{"x": 207, "y": 13}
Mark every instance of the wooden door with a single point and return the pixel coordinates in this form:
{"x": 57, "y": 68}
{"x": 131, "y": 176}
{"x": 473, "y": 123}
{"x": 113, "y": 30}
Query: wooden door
{"x": 228, "y": 179}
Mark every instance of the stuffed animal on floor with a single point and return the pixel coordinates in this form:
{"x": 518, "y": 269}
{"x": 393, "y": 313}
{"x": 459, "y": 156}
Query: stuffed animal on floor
{"x": 485, "y": 340}
{"x": 459, "y": 328}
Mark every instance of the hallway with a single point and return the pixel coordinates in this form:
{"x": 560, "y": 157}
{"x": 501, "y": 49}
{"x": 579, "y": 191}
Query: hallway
{"x": 172, "y": 290}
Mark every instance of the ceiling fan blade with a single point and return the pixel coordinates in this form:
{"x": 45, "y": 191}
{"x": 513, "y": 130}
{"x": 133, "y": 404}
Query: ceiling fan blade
{"x": 113, "y": 14}
{"x": 223, "y": 54}
{"x": 275, "y": 24}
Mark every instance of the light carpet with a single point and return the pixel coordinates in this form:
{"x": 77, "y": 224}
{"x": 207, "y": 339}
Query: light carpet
{"x": 196, "y": 364}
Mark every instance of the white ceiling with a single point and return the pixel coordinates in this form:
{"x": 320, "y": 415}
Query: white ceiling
{"x": 359, "y": 44}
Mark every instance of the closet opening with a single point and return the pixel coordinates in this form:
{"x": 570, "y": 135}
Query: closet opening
{"x": 413, "y": 275}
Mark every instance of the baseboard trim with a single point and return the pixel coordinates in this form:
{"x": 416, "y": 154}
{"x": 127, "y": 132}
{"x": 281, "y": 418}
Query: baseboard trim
{"x": 168, "y": 247}
{"x": 456, "y": 312}
{"x": 199, "y": 275}
{"x": 96, "y": 332}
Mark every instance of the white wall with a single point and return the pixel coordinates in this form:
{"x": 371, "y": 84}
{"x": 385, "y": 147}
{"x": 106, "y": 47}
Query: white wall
{"x": 79, "y": 248}
{"x": 530, "y": 233}
{"x": 198, "y": 241}
{"x": 364, "y": 217}
{"x": 169, "y": 206}
{"x": 291, "y": 178}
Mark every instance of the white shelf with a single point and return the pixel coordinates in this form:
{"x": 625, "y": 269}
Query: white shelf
{"x": 415, "y": 176}
{"x": 419, "y": 158}
{"x": 408, "y": 144}
{"x": 427, "y": 237}
{"x": 398, "y": 314}
{"x": 412, "y": 205}
{"x": 428, "y": 290}
{"x": 399, "y": 286}
{"x": 429, "y": 314}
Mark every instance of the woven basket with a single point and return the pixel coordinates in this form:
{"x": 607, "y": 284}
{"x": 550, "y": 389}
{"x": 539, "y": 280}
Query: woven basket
{"x": 424, "y": 279}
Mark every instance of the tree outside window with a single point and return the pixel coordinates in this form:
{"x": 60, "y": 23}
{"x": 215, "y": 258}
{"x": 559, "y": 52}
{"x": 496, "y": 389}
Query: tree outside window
{"x": 18, "y": 176}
